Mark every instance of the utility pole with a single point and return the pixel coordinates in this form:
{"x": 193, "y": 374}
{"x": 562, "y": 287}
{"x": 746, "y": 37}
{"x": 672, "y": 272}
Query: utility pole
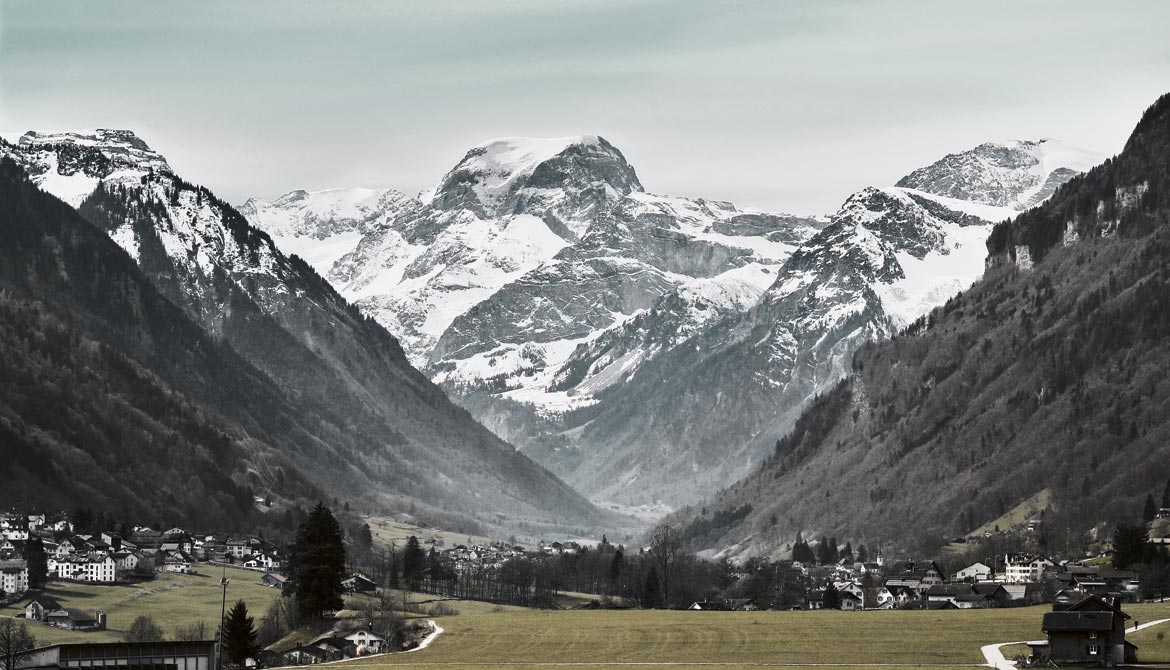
{"x": 223, "y": 581}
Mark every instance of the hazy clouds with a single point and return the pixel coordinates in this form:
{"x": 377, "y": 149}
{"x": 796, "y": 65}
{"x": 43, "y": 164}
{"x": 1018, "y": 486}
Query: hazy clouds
{"x": 771, "y": 104}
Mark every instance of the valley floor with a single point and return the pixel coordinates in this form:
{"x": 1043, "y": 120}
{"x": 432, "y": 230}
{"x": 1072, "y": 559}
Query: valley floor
{"x": 521, "y": 639}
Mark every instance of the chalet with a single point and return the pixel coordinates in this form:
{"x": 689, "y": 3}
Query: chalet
{"x": 38, "y": 608}
{"x": 851, "y": 602}
{"x": 1021, "y": 595}
{"x": 359, "y": 583}
{"x": 274, "y": 580}
{"x": 366, "y": 642}
{"x": 893, "y": 596}
{"x": 239, "y": 547}
{"x": 946, "y": 593}
{"x": 1066, "y": 598}
{"x": 71, "y": 619}
{"x": 178, "y": 562}
{"x": 977, "y": 572}
{"x": 335, "y": 648}
{"x": 73, "y": 545}
{"x": 301, "y": 655}
{"x": 1091, "y": 632}
{"x": 988, "y": 594}
{"x": 263, "y": 560}
{"x": 743, "y": 605}
{"x": 127, "y": 561}
{"x": 12, "y": 548}
{"x": 916, "y": 576}
{"x": 267, "y": 658}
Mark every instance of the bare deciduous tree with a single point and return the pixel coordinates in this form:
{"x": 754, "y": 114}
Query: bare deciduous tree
{"x": 192, "y": 632}
{"x": 665, "y": 544}
{"x": 14, "y": 638}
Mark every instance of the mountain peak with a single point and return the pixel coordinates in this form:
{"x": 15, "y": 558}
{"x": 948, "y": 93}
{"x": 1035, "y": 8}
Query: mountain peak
{"x": 501, "y": 177}
{"x": 122, "y": 148}
{"x": 1016, "y": 174}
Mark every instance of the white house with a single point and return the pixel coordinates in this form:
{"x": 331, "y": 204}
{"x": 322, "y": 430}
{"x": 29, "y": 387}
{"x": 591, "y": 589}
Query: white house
{"x": 100, "y": 568}
{"x": 1021, "y": 568}
{"x": 239, "y": 547}
{"x": 366, "y": 642}
{"x": 972, "y": 573}
{"x": 14, "y": 576}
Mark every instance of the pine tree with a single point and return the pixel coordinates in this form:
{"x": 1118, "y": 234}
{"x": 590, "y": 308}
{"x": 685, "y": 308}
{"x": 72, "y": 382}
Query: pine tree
{"x": 650, "y": 593}
{"x": 847, "y": 552}
{"x": 412, "y": 560}
{"x": 862, "y": 554}
{"x": 365, "y": 538}
{"x": 615, "y": 567}
{"x": 38, "y": 562}
{"x": 239, "y": 634}
{"x": 1150, "y": 510}
{"x": 317, "y": 563}
{"x": 832, "y": 598}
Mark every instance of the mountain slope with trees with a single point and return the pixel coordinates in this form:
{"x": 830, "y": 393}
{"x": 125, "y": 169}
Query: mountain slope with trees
{"x": 386, "y": 434}
{"x": 1048, "y": 373}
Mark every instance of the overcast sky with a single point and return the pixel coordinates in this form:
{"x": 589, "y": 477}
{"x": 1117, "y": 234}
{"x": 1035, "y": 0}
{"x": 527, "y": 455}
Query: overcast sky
{"x": 779, "y": 105}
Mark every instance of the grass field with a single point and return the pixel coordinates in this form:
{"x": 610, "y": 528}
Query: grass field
{"x": 173, "y": 600}
{"x": 681, "y": 639}
{"x": 386, "y": 531}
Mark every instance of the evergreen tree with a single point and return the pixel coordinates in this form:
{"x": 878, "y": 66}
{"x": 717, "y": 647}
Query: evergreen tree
{"x": 862, "y": 554}
{"x": 317, "y": 563}
{"x": 38, "y": 562}
{"x": 650, "y": 593}
{"x": 412, "y": 560}
{"x": 394, "y": 584}
{"x": 365, "y": 538}
{"x": 832, "y": 598}
{"x": 1130, "y": 545}
{"x": 1150, "y": 510}
{"x": 824, "y": 552}
{"x": 615, "y": 567}
{"x": 239, "y": 634}
{"x": 1166, "y": 495}
{"x": 847, "y": 553}
{"x": 434, "y": 565}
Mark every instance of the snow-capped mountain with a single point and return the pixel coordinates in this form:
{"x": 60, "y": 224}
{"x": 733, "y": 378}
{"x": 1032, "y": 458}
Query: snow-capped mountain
{"x": 322, "y": 226}
{"x": 647, "y": 249}
{"x": 660, "y": 339}
{"x": 71, "y": 164}
{"x": 528, "y": 247}
{"x": 1019, "y": 174}
{"x": 710, "y": 407}
{"x": 283, "y": 318}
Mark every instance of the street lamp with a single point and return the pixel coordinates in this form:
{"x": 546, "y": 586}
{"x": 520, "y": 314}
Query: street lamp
{"x": 223, "y": 581}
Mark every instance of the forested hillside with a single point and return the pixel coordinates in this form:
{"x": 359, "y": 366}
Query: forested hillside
{"x": 1048, "y": 373}
{"x": 111, "y": 398}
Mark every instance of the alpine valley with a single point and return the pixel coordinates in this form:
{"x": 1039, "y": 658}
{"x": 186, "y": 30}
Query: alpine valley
{"x": 649, "y": 349}
{"x": 173, "y": 332}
